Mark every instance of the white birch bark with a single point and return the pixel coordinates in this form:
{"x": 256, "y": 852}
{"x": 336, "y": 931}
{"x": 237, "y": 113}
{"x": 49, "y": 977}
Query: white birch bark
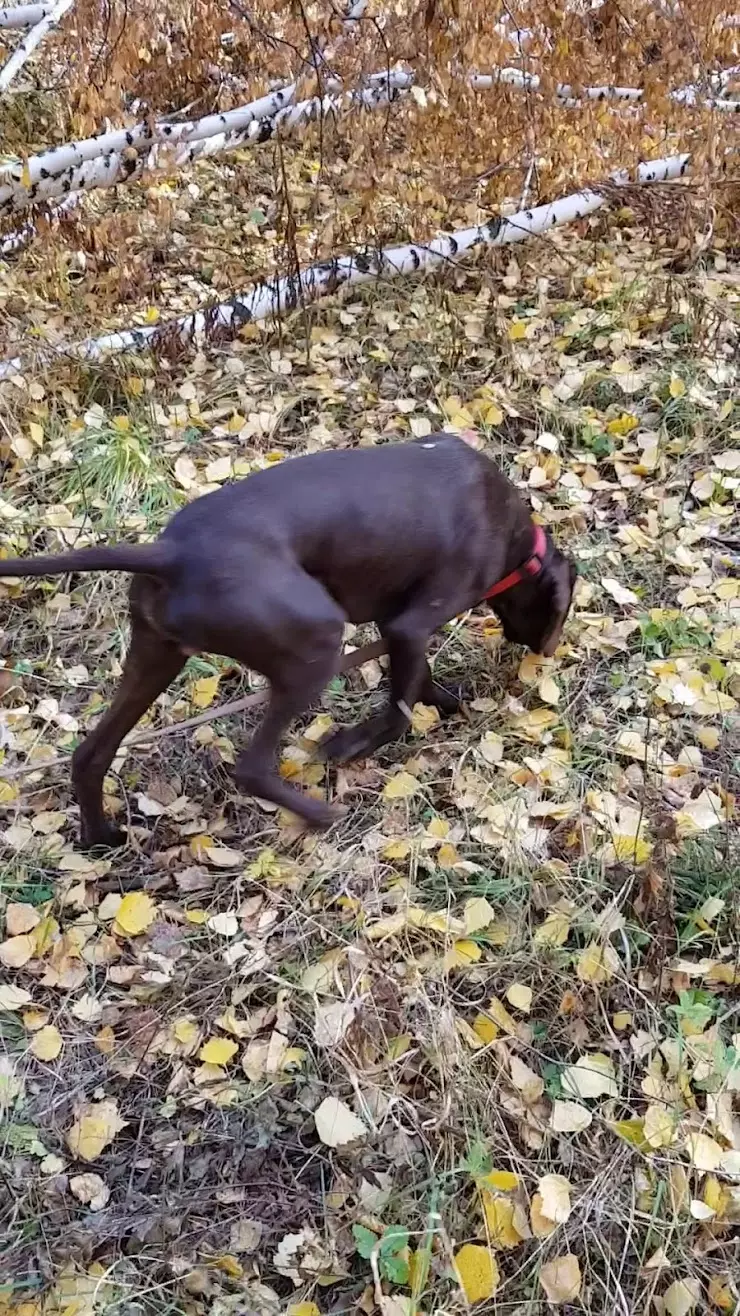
{"x": 51, "y": 175}
{"x": 14, "y": 242}
{"x": 31, "y": 40}
{"x": 278, "y": 296}
{"x": 17, "y": 16}
{"x": 572, "y": 98}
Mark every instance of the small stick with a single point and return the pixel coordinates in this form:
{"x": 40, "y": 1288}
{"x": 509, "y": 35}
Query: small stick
{"x": 355, "y": 658}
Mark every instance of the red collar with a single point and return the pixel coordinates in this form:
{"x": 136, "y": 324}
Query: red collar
{"x": 532, "y": 567}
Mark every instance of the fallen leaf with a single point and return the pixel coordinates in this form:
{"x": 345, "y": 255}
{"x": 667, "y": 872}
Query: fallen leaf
{"x": 136, "y": 912}
{"x": 218, "y": 1051}
{"x": 477, "y": 915}
{"x": 46, "y": 1043}
{"x": 477, "y": 1272}
{"x": 17, "y": 951}
{"x": 520, "y": 996}
{"x": 401, "y": 786}
{"x": 91, "y": 1190}
{"x": 95, "y": 1127}
{"x": 681, "y": 1297}
{"x": 336, "y": 1124}
{"x": 590, "y": 1077}
{"x": 705, "y": 1153}
{"x": 561, "y": 1279}
{"x": 554, "y": 1191}
{"x": 12, "y": 997}
{"x": 569, "y": 1117}
{"x": 598, "y": 963}
{"x": 623, "y": 596}
{"x": 501, "y": 1221}
{"x": 20, "y": 918}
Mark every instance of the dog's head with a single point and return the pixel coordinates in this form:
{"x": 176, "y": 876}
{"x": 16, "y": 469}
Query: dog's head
{"x": 534, "y": 612}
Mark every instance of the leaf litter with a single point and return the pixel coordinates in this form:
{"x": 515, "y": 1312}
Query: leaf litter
{"x": 500, "y": 995}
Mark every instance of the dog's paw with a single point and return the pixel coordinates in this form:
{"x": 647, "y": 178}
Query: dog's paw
{"x": 108, "y": 837}
{"x": 348, "y": 743}
{"x": 447, "y": 702}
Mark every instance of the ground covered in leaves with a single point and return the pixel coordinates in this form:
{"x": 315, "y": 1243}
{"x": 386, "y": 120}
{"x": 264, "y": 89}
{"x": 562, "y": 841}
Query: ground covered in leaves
{"x": 483, "y": 1038}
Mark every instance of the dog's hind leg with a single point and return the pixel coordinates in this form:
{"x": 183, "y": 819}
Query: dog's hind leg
{"x": 151, "y": 664}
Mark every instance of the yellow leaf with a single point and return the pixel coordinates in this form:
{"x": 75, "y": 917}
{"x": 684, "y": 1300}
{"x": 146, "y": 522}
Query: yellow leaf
{"x": 621, "y": 1019}
{"x": 591, "y": 1076}
{"x": 47, "y": 1043}
{"x": 303, "y": 1309}
{"x": 336, "y": 1124}
{"x": 136, "y": 912}
{"x": 623, "y": 424}
{"x": 95, "y": 1127}
{"x": 681, "y": 1297}
{"x": 26, "y": 175}
{"x": 477, "y": 1272}
{"x": 134, "y": 386}
{"x": 658, "y": 1126}
{"x": 462, "y": 954}
{"x": 218, "y": 1051}
{"x": 728, "y": 642}
{"x": 322, "y": 723}
{"x": 499, "y": 1217}
{"x": 423, "y": 718}
{"x": 502, "y": 1181}
{"x": 186, "y": 1032}
{"x": 561, "y": 1279}
{"x": 447, "y": 855}
{"x": 631, "y": 849}
{"x": 554, "y": 1191}
{"x": 633, "y": 1132}
{"x": 520, "y": 996}
{"x": 485, "y": 1029}
{"x": 17, "y": 951}
{"x": 705, "y": 1153}
{"x": 719, "y": 1293}
{"x": 598, "y": 963}
{"x": 105, "y": 1040}
{"x": 542, "y": 1226}
{"x": 401, "y": 786}
{"x": 554, "y": 931}
{"x": 203, "y": 691}
{"x": 32, "y": 1019}
{"x": 197, "y": 916}
{"x": 501, "y": 1017}
{"x": 493, "y": 414}
{"x": 548, "y": 690}
{"x": 517, "y": 330}
{"x": 676, "y": 388}
{"x": 477, "y": 914}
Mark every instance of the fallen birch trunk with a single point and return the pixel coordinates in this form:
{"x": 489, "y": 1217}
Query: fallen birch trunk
{"x": 279, "y": 296}
{"x": 121, "y": 156}
{"x": 17, "y": 16}
{"x": 571, "y": 97}
{"x": 32, "y": 39}
{"x": 14, "y": 242}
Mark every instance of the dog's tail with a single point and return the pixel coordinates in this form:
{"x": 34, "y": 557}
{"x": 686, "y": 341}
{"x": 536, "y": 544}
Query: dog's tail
{"x": 148, "y": 559}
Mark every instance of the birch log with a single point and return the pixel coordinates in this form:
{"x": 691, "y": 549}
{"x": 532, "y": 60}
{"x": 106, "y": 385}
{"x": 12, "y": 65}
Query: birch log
{"x": 31, "y": 40}
{"x": 16, "y": 16}
{"x": 572, "y": 97}
{"x": 14, "y": 242}
{"x": 71, "y": 169}
{"x": 278, "y": 296}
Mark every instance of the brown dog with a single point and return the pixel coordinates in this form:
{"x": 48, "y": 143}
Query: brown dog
{"x": 268, "y": 570}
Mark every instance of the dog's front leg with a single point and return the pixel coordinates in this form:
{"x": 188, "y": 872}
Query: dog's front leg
{"x": 411, "y": 680}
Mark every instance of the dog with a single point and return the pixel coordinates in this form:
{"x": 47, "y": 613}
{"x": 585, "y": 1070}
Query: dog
{"x": 267, "y": 571}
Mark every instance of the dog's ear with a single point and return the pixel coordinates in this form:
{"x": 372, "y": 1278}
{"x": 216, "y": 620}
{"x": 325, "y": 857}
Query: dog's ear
{"x": 560, "y": 581}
